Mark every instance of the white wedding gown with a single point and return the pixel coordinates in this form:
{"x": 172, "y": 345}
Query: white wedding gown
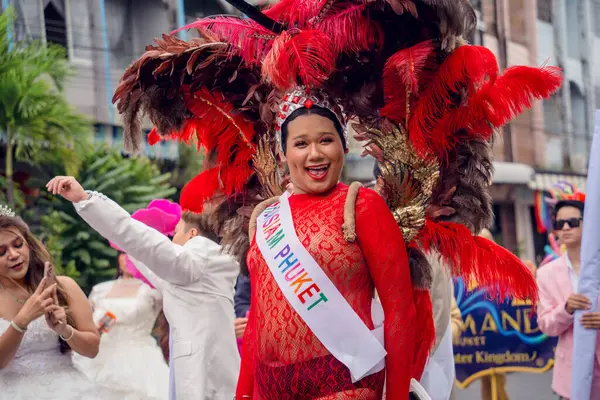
{"x": 40, "y": 371}
{"x": 129, "y": 362}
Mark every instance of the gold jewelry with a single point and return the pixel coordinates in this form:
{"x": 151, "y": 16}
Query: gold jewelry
{"x": 70, "y": 337}
{"x": 17, "y": 327}
{"x": 20, "y": 301}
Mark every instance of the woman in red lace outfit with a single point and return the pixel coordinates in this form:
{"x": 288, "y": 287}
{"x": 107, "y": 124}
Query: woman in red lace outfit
{"x": 282, "y": 359}
{"x": 425, "y": 102}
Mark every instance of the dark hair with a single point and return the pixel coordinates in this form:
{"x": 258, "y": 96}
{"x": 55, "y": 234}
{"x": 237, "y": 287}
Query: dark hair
{"x": 162, "y": 335}
{"x": 119, "y": 273}
{"x": 323, "y": 112}
{"x": 202, "y": 223}
{"x": 568, "y": 203}
{"x": 38, "y": 256}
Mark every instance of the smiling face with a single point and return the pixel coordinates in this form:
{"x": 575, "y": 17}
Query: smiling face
{"x": 314, "y": 154}
{"x": 14, "y": 254}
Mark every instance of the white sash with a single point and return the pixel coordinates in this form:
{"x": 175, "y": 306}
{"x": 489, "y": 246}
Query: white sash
{"x": 438, "y": 377}
{"x": 314, "y": 297}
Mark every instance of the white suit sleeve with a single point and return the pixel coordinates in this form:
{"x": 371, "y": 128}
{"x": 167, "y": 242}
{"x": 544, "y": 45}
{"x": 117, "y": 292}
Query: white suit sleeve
{"x": 171, "y": 262}
{"x": 148, "y": 274}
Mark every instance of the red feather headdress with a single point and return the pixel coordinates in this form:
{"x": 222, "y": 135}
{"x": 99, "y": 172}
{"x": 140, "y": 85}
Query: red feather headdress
{"x": 425, "y": 102}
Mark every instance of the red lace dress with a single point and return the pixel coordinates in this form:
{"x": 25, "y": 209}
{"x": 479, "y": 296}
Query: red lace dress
{"x": 282, "y": 359}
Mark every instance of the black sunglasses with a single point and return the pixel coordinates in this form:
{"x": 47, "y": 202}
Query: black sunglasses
{"x": 572, "y": 222}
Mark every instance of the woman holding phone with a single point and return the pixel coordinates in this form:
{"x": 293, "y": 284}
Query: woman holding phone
{"x": 42, "y": 318}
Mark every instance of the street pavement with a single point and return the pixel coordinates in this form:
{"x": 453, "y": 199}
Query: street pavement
{"x": 520, "y": 386}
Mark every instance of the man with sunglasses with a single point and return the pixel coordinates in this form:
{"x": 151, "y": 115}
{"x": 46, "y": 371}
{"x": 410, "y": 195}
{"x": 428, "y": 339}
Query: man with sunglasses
{"x": 558, "y": 282}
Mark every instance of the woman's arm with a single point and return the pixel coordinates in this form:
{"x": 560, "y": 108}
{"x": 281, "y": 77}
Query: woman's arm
{"x": 39, "y": 303}
{"x": 9, "y": 344}
{"x": 383, "y": 247}
{"x": 84, "y": 340}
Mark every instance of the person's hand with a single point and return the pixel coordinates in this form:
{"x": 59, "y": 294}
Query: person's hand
{"x": 67, "y": 187}
{"x": 577, "y": 302}
{"x": 240, "y": 326}
{"x": 57, "y": 321}
{"x": 591, "y": 320}
{"x": 40, "y": 303}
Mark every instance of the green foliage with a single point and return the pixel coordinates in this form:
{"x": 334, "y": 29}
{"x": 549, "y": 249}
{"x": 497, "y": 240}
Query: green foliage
{"x": 131, "y": 182}
{"x": 55, "y": 228}
{"x": 19, "y": 196}
{"x": 37, "y": 121}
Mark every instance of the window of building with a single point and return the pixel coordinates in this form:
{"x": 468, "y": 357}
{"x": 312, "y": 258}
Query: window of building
{"x": 99, "y": 133}
{"x": 554, "y": 152}
{"x": 117, "y": 137}
{"x": 552, "y": 115}
{"x": 578, "y": 111}
{"x": 79, "y": 30}
{"x": 579, "y": 157}
{"x": 119, "y": 29}
{"x": 55, "y": 22}
{"x": 544, "y": 10}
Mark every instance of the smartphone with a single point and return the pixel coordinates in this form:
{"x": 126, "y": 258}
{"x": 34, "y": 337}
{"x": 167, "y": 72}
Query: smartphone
{"x": 49, "y": 273}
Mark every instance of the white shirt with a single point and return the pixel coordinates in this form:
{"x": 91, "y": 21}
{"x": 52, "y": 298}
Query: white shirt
{"x": 572, "y": 274}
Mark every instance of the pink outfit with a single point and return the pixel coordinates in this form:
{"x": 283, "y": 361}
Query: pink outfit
{"x": 555, "y": 288}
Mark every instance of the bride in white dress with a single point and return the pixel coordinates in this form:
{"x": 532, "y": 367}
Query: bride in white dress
{"x": 34, "y": 314}
{"x": 130, "y": 363}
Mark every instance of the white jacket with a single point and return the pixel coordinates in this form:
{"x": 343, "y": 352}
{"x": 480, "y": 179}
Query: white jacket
{"x": 197, "y": 283}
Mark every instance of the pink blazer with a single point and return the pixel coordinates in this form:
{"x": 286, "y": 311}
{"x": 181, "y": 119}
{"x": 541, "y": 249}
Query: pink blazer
{"x": 555, "y": 288}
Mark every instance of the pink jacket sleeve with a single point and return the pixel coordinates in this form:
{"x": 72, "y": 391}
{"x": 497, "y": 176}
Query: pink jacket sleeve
{"x": 553, "y": 318}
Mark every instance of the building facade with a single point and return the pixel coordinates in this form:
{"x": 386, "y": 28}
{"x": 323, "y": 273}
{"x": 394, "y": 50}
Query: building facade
{"x": 547, "y": 143}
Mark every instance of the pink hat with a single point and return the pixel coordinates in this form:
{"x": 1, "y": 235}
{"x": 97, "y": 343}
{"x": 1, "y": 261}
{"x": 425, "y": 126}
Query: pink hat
{"x": 162, "y": 215}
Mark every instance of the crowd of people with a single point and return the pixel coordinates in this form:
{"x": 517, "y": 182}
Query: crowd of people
{"x": 272, "y": 279}
{"x": 54, "y": 346}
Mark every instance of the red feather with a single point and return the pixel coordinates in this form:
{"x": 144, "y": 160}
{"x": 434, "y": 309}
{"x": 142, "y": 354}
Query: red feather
{"x": 479, "y": 260}
{"x": 406, "y": 71}
{"x": 221, "y": 131}
{"x": 251, "y": 39}
{"x": 153, "y": 137}
{"x": 350, "y": 29}
{"x": 424, "y": 325}
{"x": 401, "y": 6}
{"x": 306, "y": 58}
{"x": 457, "y": 76}
{"x": 514, "y": 91}
{"x": 200, "y": 189}
{"x": 500, "y": 101}
{"x": 296, "y": 13}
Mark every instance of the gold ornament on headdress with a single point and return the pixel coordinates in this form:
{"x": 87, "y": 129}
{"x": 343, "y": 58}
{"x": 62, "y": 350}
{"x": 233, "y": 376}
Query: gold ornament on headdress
{"x": 265, "y": 165}
{"x": 408, "y": 180}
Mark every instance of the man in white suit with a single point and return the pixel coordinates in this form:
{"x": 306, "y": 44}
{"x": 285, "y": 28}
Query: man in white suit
{"x": 197, "y": 281}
